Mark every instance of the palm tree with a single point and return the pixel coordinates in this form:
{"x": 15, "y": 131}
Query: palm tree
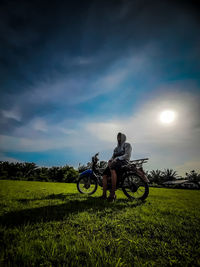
{"x": 169, "y": 175}
{"x": 155, "y": 176}
{"x": 28, "y": 168}
{"x": 194, "y": 177}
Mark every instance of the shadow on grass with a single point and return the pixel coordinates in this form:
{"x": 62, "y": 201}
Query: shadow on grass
{"x": 62, "y": 211}
{"x": 52, "y": 196}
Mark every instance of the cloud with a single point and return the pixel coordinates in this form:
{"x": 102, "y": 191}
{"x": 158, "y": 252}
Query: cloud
{"x": 85, "y": 84}
{"x": 39, "y": 135}
{"x": 11, "y": 114}
{"x": 105, "y": 131}
{"x": 39, "y": 125}
{"x": 9, "y": 159}
{"x": 188, "y": 166}
{"x": 46, "y": 96}
{"x": 21, "y": 144}
{"x": 82, "y": 61}
{"x": 145, "y": 126}
{"x": 75, "y": 141}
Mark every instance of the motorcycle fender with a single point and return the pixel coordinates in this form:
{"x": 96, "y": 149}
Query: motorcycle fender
{"x": 86, "y": 173}
{"x": 145, "y": 179}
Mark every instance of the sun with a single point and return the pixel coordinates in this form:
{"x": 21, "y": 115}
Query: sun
{"x": 167, "y": 116}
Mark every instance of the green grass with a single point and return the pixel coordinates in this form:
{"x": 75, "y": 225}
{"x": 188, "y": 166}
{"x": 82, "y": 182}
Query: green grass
{"x": 51, "y": 224}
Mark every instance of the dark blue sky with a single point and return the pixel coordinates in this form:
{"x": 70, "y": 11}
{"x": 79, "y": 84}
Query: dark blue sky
{"x": 74, "y": 73}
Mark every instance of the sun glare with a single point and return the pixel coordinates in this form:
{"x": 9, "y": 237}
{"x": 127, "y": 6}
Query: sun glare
{"x": 167, "y": 116}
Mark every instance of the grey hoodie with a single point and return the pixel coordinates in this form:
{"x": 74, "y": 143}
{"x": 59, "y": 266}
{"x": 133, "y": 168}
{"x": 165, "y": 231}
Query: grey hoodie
{"x": 123, "y": 151}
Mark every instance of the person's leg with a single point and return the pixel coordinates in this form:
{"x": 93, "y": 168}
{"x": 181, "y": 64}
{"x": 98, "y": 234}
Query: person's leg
{"x": 114, "y": 182}
{"x": 105, "y": 174}
{"x": 105, "y": 178}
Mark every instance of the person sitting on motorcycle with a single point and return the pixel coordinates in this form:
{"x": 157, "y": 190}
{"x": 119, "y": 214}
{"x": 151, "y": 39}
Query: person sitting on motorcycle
{"x": 121, "y": 156}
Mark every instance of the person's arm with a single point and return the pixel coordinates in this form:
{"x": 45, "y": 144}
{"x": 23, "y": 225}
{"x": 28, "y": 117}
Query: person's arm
{"x": 113, "y": 154}
{"x": 127, "y": 154}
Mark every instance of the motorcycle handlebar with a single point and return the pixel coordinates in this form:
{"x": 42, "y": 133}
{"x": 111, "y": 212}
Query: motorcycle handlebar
{"x": 95, "y": 158}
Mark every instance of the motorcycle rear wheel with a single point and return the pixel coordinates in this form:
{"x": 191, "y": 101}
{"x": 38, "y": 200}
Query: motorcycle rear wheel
{"x": 87, "y": 185}
{"x": 134, "y": 187}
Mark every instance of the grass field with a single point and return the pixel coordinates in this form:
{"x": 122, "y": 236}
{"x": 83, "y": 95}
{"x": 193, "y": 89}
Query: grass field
{"x": 51, "y": 224}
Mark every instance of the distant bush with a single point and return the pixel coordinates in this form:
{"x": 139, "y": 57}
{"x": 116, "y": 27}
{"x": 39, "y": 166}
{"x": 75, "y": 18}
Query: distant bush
{"x": 155, "y": 185}
{"x": 31, "y": 172}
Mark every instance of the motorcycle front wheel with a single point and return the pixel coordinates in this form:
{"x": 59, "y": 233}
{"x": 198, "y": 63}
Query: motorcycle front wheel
{"x": 134, "y": 187}
{"x": 87, "y": 185}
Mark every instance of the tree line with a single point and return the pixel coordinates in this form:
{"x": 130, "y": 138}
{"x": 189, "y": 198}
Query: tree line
{"x": 159, "y": 177}
{"x": 31, "y": 172}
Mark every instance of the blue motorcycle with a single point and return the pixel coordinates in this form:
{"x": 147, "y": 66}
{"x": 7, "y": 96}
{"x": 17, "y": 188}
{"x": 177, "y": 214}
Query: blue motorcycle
{"x": 132, "y": 184}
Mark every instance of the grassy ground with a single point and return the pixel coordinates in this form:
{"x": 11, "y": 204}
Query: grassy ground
{"x": 51, "y": 224}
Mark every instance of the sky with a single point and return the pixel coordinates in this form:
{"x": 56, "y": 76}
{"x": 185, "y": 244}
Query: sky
{"x": 75, "y": 73}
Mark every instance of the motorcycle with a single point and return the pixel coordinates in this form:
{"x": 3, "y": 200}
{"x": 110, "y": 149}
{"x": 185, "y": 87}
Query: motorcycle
{"x": 133, "y": 184}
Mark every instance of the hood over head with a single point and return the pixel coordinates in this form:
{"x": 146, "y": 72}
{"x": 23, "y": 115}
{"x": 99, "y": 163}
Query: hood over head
{"x": 123, "y": 138}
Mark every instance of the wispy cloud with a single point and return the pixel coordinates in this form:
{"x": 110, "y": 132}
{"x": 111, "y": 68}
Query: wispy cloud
{"x": 11, "y": 114}
{"x": 39, "y": 125}
{"x": 86, "y": 84}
